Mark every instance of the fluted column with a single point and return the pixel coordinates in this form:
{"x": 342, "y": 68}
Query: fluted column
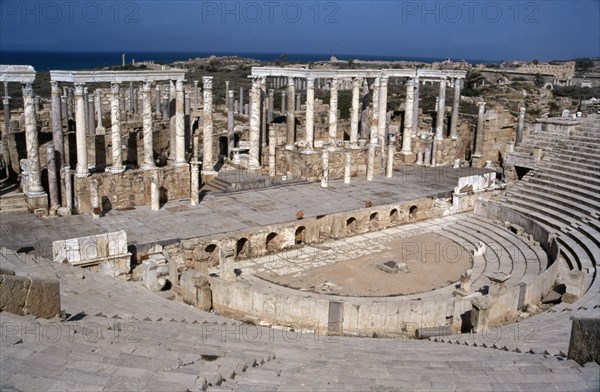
{"x": 415, "y": 118}
{"x": 31, "y": 140}
{"x": 179, "y": 125}
{"x": 230, "y": 123}
{"x": 131, "y": 103}
{"x": 333, "y": 115}
{"x": 158, "y": 108}
{"x": 439, "y": 123}
{"x": 391, "y": 151}
{"x": 52, "y": 175}
{"x": 115, "y": 131}
{"x": 90, "y": 115}
{"x": 375, "y": 112}
{"x": 291, "y": 116}
{"x": 310, "y": 115}
{"x": 408, "y": 118}
{"x": 263, "y": 113}
{"x": 356, "y": 82}
{"x": 520, "y": 127}
{"x": 147, "y": 123}
{"x": 382, "y": 109}
{"x": 80, "y": 135}
{"x": 194, "y": 182}
{"x": 100, "y": 130}
{"x": 241, "y": 100}
{"x": 207, "y": 120}
{"x": 255, "y": 123}
{"x": 270, "y": 110}
{"x": 57, "y": 131}
{"x": 478, "y": 153}
{"x": 455, "y": 108}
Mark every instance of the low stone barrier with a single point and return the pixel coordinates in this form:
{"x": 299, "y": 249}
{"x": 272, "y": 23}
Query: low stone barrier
{"x": 24, "y": 295}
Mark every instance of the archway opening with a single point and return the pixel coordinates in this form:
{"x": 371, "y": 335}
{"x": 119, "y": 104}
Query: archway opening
{"x": 412, "y": 212}
{"x": 243, "y": 247}
{"x": 300, "y": 236}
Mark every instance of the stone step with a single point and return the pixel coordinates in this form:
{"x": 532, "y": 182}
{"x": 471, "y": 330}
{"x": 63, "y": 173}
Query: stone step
{"x": 565, "y": 187}
{"x": 556, "y": 193}
{"x": 567, "y": 181}
{"x": 591, "y": 182}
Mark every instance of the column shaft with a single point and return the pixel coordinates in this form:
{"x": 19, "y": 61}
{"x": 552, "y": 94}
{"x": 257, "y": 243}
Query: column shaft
{"x": 310, "y": 114}
{"x": 375, "y": 112}
{"x": 31, "y": 139}
{"x": 415, "y": 118}
{"x": 455, "y": 108}
{"x": 80, "y": 135}
{"x": 520, "y": 127}
{"x": 479, "y": 131}
{"x": 255, "y": 123}
{"x": 179, "y": 125}
{"x": 356, "y": 82}
{"x": 439, "y": 123}
{"x": 382, "y": 110}
{"x": 52, "y": 175}
{"x": 147, "y": 123}
{"x": 115, "y": 131}
{"x": 57, "y": 130}
{"x": 291, "y": 116}
{"x": 333, "y": 109}
{"x": 408, "y": 118}
{"x": 207, "y": 121}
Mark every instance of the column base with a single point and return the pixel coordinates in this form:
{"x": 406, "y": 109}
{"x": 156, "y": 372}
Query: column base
{"x": 115, "y": 170}
{"x": 407, "y": 158}
{"x": 209, "y": 173}
{"x": 453, "y": 137}
{"x": 36, "y": 200}
{"x": 148, "y": 166}
{"x": 100, "y": 131}
{"x": 82, "y": 174}
{"x": 354, "y": 146}
{"x": 179, "y": 163}
{"x": 290, "y": 148}
{"x": 308, "y": 151}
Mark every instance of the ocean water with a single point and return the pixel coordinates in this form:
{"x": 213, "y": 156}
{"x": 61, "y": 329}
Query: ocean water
{"x": 45, "y": 61}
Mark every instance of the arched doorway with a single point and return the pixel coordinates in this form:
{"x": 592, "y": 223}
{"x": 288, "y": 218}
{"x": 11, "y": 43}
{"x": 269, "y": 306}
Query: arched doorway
{"x": 300, "y": 236}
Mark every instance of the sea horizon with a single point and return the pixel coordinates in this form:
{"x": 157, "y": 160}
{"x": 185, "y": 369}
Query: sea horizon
{"x": 65, "y": 60}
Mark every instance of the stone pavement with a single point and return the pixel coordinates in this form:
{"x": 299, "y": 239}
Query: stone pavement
{"x": 221, "y": 213}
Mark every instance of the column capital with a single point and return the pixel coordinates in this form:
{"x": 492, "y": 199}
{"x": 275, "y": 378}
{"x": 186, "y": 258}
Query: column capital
{"x": 28, "y": 90}
{"x": 377, "y": 82}
{"x": 55, "y": 89}
{"x": 146, "y": 87}
{"x": 310, "y": 82}
{"x": 334, "y": 81}
{"x": 290, "y": 81}
{"x": 410, "y": 82}
{"x": 195, "y": 83}
{"x": 207, "y": 82}
{"x": 178, "y": 85}
{"x": 6, "y": 100}
{"x": 457, "y": 83}
{"x": 481, "y": 103}
{"x": 522, "y": 110}
{"x": 91, "y": 98}
{"x": 384, "y": 80}
{"x": 356, "y": 81}
{"x": 271, "y": 91}
{"x": 114, "y": 88}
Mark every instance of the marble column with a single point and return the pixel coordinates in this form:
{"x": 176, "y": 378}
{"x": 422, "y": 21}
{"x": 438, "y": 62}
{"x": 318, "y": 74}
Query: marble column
{"x": 415, "y": 117}
{"x": 207, "y": 123}
{"x": 375, "y": 112}
{"x": 370, "y": 161}
{"x": 115, "y": 131}
{"x": 100, "y": 130}
{"x": 455, "y": 108}
{"x": 263, "y": 113}
{"x": 270, "y": 110}
{"x": 230, "y": 123}
{"x": 158, "y": 108}
{"x": 179, "y": 124}
{"x": 283, "y": 100}
{"x": 356, "y": 82}
{"x": 194, "y": 182}
{"x": 147, "y": 123}
{"x": 291, "y": 115}
{"x": 520, "y": 127}
{"x": 154, "y": 192}
{"x": 196, "y": 96}
{"x": 325, "y": 168}
{"x": 408, "y": 118}
{"x": 434, "y": 146}
{"x": 81, "y": 135}
{"x": 333, "y": 114}
{"x": 227, "y": 93}
{"x": 254, "y": 123}
{"x": 439, "y": 123}
{"x": 57, "y": 130}
{"x": 68, "y": 202}
{"x": 52, "y": 175}
{"x": 90, "y": 115}
{"x": 298, "y": 98}
{"x": 347, "y": 167}
{"x": 478, "y": 153}
{"x": 382, "y": 110}
{"x": 70, "y": 103}
{"x": 166, "y": 109}
{"x": 131, "y": 103}
{"x": 241, "y": 100}
{"x": 310, "y": 115}
{"x": 94, "y": 199}
{"x": 63, "y": 111}
{"x": 272, "y": 145}
{"x": 390, "y": 157}
{"x": 34, "y": 187}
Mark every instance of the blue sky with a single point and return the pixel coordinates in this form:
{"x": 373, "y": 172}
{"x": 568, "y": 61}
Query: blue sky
{"x": 470, "y": 29}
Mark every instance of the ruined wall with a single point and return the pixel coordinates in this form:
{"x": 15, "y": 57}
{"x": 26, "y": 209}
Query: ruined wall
{"x": 132, "y": 188}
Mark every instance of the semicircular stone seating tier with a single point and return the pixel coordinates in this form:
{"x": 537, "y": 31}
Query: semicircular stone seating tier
{"x": 562, "y": 193}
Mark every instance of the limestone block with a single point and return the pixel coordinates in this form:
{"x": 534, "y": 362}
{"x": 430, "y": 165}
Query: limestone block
{"x": 150, "y": 275}
{"x": 88, "y": 248}
{"x": 43, "y": 299}
{"x": 13, "y": 292}
{"x": 584, "y": 345}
